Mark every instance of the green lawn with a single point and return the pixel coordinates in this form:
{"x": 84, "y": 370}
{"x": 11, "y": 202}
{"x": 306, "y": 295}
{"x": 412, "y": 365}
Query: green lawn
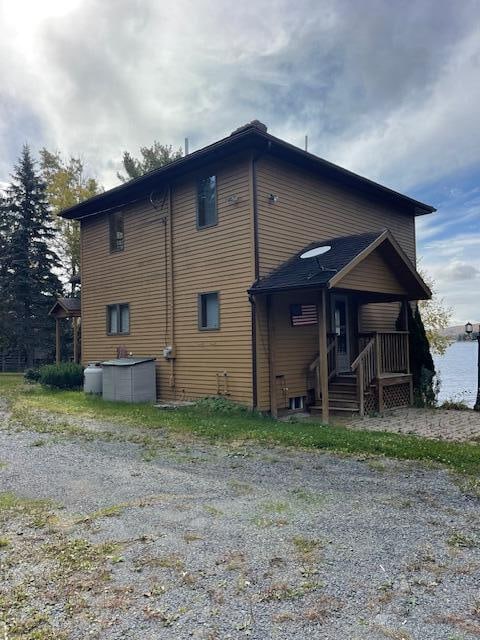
{"x": 217, "y": 420}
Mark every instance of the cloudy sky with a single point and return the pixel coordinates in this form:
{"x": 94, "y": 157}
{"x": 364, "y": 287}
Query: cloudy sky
{"x": 390, "y": 89}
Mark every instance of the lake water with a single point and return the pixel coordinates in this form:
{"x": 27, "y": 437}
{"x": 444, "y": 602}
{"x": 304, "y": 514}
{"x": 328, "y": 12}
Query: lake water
{"x": 458, "y": 372}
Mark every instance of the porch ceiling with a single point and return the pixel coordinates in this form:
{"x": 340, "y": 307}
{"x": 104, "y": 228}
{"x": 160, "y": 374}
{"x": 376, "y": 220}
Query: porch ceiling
{"x": 372, "y": 264}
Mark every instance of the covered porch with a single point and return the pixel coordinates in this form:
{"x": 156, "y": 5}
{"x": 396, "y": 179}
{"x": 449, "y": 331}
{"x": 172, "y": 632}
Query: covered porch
{"x": 336, "y": 323}
{"x": 66, "y": 309}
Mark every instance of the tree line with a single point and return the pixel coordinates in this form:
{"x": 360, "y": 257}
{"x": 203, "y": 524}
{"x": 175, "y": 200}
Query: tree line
{"x": 39, "y": 250}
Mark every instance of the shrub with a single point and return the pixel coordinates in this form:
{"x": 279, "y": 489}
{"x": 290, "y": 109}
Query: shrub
{"x": 219, "y": 404}
{"x": 62, "y": 376}
{"x": 455, "y": 405}
{"x": 31, "y": 376}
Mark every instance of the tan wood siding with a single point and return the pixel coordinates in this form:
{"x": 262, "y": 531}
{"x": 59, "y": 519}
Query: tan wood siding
{"x": 218, "y": 258}
{"x": 135, "y": 275}
{"x": 381, "y": 316}
{"x": 310, "y": 208}
{"x": 295, "y": 347}
{"x": 372, "y": 274}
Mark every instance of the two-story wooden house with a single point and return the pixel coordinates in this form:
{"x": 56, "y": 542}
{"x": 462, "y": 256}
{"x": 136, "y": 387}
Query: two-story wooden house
{"x": 255, "y": 270}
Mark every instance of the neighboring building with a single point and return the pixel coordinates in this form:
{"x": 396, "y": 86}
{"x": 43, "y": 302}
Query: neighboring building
{"x": 198, "y": 264}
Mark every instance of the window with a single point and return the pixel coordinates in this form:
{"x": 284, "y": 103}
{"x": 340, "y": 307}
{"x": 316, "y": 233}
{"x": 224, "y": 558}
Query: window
{"x": 207, "y": 202}
{"x": 116, "y": 231}
{"x": 297, "y": 402}
{"x": 208, "y": 311}
{"x": 118, "y": 319}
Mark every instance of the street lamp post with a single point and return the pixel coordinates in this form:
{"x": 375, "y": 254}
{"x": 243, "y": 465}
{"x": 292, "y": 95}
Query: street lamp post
{"x": 469, "y": 331}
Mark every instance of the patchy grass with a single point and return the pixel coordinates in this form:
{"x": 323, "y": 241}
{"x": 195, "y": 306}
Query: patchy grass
{"x": 219, "y": 422}
{"x": 462, "y": 540}
{"x": 38, "y": 513}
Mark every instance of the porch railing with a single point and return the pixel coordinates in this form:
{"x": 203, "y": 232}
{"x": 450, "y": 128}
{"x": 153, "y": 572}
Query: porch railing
{"x": 381, "y": 354}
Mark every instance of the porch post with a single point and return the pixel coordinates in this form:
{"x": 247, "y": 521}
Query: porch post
{"x": 75, "y": 339}
{"x": 322, "y": 350}
{"x": 271, "y": 359}
{"x": 57, "y": 341}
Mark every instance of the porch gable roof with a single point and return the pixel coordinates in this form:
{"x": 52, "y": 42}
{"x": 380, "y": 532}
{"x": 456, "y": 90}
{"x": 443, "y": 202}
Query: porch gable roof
{"x": 330, "y": 268}
{"x": 66, "y": 308}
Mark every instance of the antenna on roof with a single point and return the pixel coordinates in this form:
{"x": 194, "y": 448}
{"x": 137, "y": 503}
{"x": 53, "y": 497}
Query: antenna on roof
{"x": 306, "y": 143}
{"x": 186, "y": 146}
{"x": 316, "y": 252}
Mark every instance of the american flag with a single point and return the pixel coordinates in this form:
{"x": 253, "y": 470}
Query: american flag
{"x": 303, "y": 314}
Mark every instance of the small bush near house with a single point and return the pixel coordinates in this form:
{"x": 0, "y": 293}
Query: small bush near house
{"x": 62, "y": 376}
{"x": 31, "y": 375}
{"x": 455, "y": 405}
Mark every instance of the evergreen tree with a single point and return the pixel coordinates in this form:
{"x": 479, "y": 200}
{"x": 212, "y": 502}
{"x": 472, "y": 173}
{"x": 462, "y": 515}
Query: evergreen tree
{"x": 158, "y": 155}
{"x": 421, "y": 361}
{"x": 29, "y": 283}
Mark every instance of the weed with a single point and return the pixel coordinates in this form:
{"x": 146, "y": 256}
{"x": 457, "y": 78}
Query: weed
{"x": 191, "y": 537}
{"x": 38, "y": 443}
{"x": 80, "y": 555}
{"x": 307, "y": 497}
{"x": 376, "y": 465}
{"x": 275, "y": 507}
{"x": 305, "y": 546}
{"x": 394, "y": 634}
{"x": 4, "y": 542}
{"x": 462, "y": 540}
{"x": 241, "y": 488}
{"x": 282, "y": 591}
{"x": 213, "y": 511}
{"x": 169, "y": 561}
{"x": 322, "y": 609}
{"x": 38, "y": 512}
{"x": 264, "y": 523}
{"x": 105, "y": 512}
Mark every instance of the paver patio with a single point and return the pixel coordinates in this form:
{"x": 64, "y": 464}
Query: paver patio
{"x": 460, "y": 426}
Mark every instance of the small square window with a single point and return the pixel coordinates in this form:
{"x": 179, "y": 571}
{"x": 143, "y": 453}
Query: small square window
{"x": 208, "y": 311}
{"x": 118, "y": 319}
{"x": 207, "y": 202}
{"x": 116, "y": 231}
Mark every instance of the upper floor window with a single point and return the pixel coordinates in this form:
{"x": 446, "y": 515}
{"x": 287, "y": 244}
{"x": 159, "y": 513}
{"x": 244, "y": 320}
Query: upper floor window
{"x": 208, "y": 311}
{"x": 118, "y": 319}
{"x": 207, "y": 202}
{"x": 116, "y": 231}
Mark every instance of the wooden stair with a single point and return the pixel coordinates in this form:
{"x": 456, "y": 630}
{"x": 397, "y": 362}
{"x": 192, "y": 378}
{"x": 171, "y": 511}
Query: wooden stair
{"x": 342, "y": 394}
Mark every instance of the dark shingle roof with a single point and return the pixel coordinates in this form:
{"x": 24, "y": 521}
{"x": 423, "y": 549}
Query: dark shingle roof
{"x": 250, "y": 136}
{"x": 298, "y": 273}
{"x": 70, "y": 304}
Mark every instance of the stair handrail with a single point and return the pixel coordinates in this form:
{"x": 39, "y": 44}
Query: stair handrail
{"x": 332, "y": 340}
{"x": 365, "y": 362}
{"x": 363, "y": 353}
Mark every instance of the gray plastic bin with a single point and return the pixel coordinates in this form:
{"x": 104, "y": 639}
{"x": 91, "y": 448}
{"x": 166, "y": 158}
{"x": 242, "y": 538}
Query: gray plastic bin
{"x": 129, "y": 380}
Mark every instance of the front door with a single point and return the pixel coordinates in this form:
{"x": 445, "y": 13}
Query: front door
{"x": 340, "y": 325}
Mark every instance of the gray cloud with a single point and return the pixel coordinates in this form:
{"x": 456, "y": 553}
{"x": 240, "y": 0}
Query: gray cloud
{"x": 372, "y": 83}
{"x": 389, "y": 89}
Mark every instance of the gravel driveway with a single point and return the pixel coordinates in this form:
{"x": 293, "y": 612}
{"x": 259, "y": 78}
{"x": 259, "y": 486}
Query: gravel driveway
{"x": 190, "y": 540}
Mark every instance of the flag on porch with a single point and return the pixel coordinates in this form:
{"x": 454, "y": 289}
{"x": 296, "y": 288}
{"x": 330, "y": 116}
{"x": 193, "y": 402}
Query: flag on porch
{"x": 303, "y": 314}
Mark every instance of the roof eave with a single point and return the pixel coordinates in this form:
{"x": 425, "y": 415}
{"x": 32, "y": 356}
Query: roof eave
{"x": 247, "y": 137}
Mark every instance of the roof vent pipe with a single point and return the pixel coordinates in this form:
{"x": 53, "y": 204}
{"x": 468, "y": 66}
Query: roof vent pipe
{"x": 186, "y": 146}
